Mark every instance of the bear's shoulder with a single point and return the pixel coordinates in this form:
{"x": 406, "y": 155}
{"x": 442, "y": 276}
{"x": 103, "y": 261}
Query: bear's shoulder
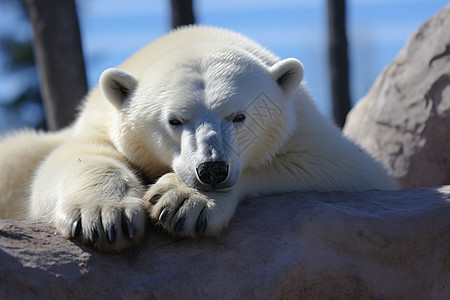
{"x": 194, "y": 34}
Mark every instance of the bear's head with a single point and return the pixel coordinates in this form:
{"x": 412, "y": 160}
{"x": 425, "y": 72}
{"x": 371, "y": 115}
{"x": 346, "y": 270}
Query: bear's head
{"x": 206, "y": 111}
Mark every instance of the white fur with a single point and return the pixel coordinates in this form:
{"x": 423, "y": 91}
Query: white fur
{"x": 196, "y": 95}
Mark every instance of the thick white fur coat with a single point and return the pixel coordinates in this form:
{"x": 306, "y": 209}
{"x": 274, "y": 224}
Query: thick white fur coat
{"x": 195, "y": 98}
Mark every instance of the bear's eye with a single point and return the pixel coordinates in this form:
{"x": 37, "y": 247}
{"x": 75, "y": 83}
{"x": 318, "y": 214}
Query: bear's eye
{"x": 238, "y": 118}
{"x": 175, "y": 122}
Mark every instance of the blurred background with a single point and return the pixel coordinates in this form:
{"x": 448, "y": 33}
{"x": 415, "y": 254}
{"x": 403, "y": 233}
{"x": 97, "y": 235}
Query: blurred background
{"x": 111, "y": 30}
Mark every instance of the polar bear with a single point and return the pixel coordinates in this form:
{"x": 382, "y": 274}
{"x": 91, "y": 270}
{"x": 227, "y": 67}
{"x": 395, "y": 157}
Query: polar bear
{"x": 180, "y": 132}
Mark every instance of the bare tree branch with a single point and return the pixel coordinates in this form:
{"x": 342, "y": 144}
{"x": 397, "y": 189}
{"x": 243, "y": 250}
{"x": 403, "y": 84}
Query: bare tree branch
{"x": 59, "y": 57}
{"x": 182, "y": 13}
{"x": 338, "y": 58}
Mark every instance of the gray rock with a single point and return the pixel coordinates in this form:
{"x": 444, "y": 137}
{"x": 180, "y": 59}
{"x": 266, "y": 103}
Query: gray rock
{"x": 404, "y": 120}
{"x": 373, "y": 244}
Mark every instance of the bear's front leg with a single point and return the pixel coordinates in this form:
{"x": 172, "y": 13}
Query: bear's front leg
{"x": 185, "y": 211}
{"x": 93, "y": 199}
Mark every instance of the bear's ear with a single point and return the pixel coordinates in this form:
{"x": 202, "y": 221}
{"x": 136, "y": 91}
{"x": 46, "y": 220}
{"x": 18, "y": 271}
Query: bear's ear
{"x": 287, "y": 73}
{"x": 116, "y": 85}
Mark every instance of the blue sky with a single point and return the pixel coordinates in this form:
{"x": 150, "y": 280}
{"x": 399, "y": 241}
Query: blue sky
{"x": 377, "y": 29}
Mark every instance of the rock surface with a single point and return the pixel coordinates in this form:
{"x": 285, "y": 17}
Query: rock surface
{"x": 404, "y": 120}
{"x": 374, "y": 244}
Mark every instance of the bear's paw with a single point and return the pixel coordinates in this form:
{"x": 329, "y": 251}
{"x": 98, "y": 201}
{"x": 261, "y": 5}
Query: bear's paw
{"x": 184, "y": 211}
{"x": 107, "y": 225}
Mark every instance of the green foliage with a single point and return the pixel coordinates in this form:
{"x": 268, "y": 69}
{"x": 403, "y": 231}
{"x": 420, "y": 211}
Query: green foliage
{"x": 19, "y": 53}
{"x": 25, "y": 108}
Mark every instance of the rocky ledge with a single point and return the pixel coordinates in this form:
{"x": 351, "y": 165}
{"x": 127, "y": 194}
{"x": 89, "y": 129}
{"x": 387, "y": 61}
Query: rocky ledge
{"x": 374, "y": 244}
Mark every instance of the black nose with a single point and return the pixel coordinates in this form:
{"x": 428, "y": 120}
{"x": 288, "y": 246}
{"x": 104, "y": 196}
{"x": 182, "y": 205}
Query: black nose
{"x": 213, "y": 172}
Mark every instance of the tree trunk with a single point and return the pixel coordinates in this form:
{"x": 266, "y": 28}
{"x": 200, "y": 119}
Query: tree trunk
{"x": 59, "y": 57}
{"x": 182, "y": 13}
{"x": 338, "y": 59}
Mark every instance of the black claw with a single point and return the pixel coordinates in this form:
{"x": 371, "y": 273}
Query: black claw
{"x": 94, "y": 236}
{"x": 153, "y": 199}
{"x": 163, "y": 215}
{"x": 201, "y": 224}
{"x": 128, "y": 227}
{"x": 76, "y": 228}
{"x": 111, "y": 234}
{"x": 179, "y": 224}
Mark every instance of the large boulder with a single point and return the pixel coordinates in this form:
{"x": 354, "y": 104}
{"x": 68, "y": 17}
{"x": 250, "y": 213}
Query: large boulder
{"x": 338, "y": 245}
{"x": 404, "y": 120}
